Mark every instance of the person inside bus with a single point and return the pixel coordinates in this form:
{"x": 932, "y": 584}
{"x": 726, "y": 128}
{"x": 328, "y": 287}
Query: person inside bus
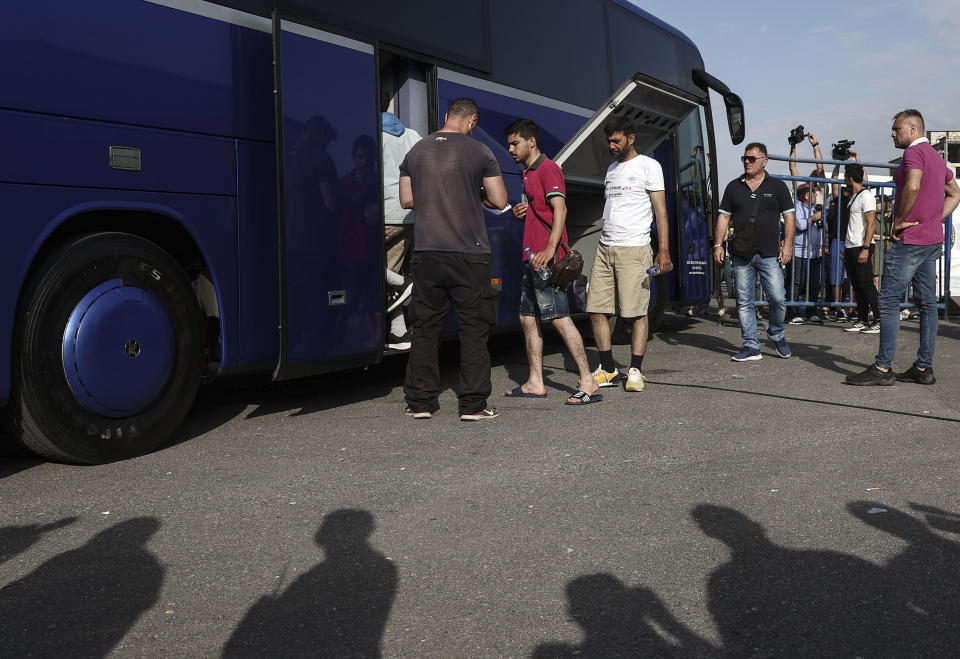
{"x": 546, "y": 206}
{"x": 620, "y": 278}
{"x": 396, "y": 140}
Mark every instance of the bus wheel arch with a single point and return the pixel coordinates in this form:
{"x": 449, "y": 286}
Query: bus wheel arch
{"x": 108, "y": 349}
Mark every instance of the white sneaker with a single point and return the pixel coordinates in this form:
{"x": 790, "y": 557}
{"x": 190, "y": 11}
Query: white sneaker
{"x": 635, "y": 380}
{"x": 796, "y": 320}
{"x": 856, "y": 327}
{"x": 904, "y": 314}
{"x": 872, "y": 328}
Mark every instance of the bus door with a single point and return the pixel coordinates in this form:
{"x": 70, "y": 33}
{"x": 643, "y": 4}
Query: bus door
{"x": 657, "y": 112}
{"x": 331, "y": 244}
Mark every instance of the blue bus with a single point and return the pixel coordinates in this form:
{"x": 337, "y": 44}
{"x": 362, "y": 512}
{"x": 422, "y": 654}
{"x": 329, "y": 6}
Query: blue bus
{"x": 163, "y": 221}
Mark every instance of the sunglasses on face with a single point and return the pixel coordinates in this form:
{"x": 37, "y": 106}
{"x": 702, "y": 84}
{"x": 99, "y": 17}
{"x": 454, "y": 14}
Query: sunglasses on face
{"x": 750, "y": 159}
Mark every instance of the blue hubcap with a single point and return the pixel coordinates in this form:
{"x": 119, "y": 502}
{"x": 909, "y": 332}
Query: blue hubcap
{"x": 118, "y": 349}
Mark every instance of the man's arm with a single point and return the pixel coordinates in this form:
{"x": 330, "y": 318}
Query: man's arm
{"x": 951, "y": 199}
{"x": 871, "y": 219}
{"x": 835, "y": 187}
{"x": 559, "y": 206}
{"x": 406, "y": 192}
{"x": 658, "y": 198}
{"x": 495, "y": 192}
{"x": 789, "y": 229}
{"x": 908, "y": 198}
{"x": 816, "y": 153}
{"x": 720, "y": 237}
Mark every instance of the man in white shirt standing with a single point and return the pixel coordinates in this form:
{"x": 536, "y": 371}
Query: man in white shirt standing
{"x": 619, "y": 283}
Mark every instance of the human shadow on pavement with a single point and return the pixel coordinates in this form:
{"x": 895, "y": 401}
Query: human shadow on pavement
{"x": 337, "y": 609}
{"x": 619, "y": 621}
{"x": 17, "y": 539}
{"x": 773, "y": 601}
{"x": 920, "y": 583}
{"x": 82, "y": 602}
{"x": 938, "y": 518}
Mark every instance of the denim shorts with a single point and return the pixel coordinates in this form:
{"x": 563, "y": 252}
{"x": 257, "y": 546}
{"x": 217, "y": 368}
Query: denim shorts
{"x": 538, "y": 298}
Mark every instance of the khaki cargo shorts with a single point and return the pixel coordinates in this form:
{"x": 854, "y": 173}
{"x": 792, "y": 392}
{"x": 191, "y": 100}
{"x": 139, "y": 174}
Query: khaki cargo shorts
{"x": 619, "y": 282}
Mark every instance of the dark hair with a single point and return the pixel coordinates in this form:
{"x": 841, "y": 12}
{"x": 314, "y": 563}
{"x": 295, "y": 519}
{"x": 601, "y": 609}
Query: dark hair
{"x": 524, "y": 128}
{"x": 464, "y": 108}
{"x": 803, "y": 191}
{"x": 366, "y": 143}
{"x": 619, "y": 124}
{"x": 910, "y": 114}
{"x": 756, "y": 145}
{"x": 854, "y": 171}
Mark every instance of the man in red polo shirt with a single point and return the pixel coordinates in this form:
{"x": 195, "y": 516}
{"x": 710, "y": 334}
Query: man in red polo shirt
{"x": 546, "y": 207}
{"x": 926, "y": 195}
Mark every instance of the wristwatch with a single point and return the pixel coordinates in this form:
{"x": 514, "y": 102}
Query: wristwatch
{"x": 718, "y": 245}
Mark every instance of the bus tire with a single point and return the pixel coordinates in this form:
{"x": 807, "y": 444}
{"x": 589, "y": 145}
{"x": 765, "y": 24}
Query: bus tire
{"x": 621, "y": 332}
{"x": 108, "y": 351}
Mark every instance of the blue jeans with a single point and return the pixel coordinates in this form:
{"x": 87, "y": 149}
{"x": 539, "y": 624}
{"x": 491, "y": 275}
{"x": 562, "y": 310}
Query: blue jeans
{"x": 771, "y": 278}
{"x": 903, "y": 264}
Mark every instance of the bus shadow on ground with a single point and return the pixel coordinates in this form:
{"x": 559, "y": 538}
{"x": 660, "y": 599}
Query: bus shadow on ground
{"x": 768, "y": 600}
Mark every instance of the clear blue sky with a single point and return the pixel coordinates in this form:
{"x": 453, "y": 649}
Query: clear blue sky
{"x": 842, "y": 69}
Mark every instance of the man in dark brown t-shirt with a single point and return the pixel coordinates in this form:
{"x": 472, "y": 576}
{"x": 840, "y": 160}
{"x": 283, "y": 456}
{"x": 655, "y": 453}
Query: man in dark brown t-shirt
{"x": 447, "y": 176}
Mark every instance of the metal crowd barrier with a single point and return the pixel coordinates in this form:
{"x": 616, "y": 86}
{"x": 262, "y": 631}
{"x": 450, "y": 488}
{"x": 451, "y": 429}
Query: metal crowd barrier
{"x": 813, "y": 253}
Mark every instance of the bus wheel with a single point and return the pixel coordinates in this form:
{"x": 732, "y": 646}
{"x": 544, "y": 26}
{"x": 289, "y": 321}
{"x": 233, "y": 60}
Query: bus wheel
{"x": 621, "y": 331}
{"x": 107, "y": 351}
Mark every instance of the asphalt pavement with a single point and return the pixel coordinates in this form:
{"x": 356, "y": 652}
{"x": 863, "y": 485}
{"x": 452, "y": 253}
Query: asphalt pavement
{"x": 741, "y": 509}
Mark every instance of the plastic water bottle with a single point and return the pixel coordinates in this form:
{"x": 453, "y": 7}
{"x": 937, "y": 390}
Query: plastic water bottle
{"x": 544, "y": 272}
{"x": 655, "y": 270}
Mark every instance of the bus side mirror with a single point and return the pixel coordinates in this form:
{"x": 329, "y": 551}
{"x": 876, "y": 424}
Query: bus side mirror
{"x": 735, "y": 117}
{"x": 733, "y": 102}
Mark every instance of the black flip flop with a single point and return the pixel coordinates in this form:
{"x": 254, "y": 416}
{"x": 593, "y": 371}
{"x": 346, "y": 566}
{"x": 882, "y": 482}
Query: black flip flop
{"x": 585, "y": 398}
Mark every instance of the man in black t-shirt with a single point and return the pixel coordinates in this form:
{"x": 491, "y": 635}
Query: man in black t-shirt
{"x": 755, "y": 202}
{"x": 448, "y": 175}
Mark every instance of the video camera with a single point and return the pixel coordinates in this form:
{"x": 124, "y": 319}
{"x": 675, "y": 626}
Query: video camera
{"x": 796, "y": 136}
{"x": 841, "y": 149}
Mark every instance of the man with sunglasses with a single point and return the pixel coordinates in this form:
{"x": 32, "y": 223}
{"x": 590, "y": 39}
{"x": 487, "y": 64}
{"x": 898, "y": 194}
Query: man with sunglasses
{"x": 755, "y": 202}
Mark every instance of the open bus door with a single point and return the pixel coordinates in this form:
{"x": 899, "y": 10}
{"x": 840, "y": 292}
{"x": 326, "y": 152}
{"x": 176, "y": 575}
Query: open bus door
{"x": 663, "y": 117}
{"x": 331, "y": 244}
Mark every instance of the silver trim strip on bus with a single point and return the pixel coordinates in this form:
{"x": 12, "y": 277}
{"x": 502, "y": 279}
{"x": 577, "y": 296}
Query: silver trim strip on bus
{"x": 512, "y": 92}
{"x": 320, "y": 35}
{"x": 219, "y": 13}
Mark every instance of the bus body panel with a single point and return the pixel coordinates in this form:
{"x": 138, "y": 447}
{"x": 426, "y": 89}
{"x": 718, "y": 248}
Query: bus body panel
{"x": 53, "y": 150}
{"x": 332, "y": 254}
{"x": 136, "y": 63}
{"x": 258, "y": 322}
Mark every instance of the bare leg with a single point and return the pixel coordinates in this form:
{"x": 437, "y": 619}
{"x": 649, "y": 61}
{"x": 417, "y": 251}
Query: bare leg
{"x": 574, "y": 342}
{"x": 533, "y": 339}
{"x": 638, "y": 342}
{"x": 601, "y": 330}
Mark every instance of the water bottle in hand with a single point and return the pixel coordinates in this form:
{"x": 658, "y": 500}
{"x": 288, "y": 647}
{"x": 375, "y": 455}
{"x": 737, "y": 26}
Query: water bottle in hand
{"x": 655, "y": 270}
{"x": 544, "y": 272}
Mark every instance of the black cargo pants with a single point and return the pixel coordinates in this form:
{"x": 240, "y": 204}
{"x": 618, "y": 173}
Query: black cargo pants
{"x": 440, "y": 278}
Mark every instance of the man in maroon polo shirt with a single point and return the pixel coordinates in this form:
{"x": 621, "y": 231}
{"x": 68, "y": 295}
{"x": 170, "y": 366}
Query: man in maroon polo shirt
{"x": 926, "y": 194}
{"x": 545, "y": 207}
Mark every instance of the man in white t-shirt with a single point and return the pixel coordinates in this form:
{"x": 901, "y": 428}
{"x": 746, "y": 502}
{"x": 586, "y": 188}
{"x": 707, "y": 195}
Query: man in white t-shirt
{"x": 619, "y": 283}
{"x": 859, "y": 247}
